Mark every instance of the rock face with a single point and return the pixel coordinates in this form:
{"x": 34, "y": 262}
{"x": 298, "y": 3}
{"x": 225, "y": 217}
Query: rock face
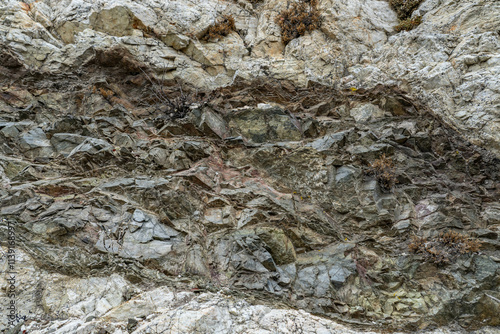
{"x": 450, "y": 62}
{"x": 264, "y": 199}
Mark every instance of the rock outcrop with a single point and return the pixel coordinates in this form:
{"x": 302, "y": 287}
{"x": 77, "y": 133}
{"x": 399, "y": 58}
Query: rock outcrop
{"x": 262, "y": 205}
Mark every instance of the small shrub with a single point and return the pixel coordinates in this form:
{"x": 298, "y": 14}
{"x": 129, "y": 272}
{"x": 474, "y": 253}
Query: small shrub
{"x": 220, "y": 29}
{"x": 298, "y": 19}
{"x": 383, "y": 170}
{"x": 404, "y": 8}
{"x": 446, "y": 247}
{"x": 173, "y": 107}
{"x": 408, "y": 24}
{"x": 179, "y": 106}
{"x": 106, "y": 93}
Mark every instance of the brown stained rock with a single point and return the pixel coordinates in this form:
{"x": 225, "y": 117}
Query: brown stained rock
{"x": 488, "y": 306}
{"x": 117, "y": 21}
{"x": 16, "y": 97}
{"x": 116, "y": 57}
{"x": 68, "y": 30}
{"x": 8, "y": 59}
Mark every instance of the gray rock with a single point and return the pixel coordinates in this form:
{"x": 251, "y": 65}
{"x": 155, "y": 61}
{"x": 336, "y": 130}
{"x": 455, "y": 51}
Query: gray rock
{"x": 326, "y": 142}
{"x": 323, "y": 282}
{"x": 35, "y": 143}
{"x": 92, "y": 146}
{"x": 306, "y": 280}
{"x": 366, "y": 112}
{"x": 64, "y": 143}
{"x": 339, "y": 274}
{"x": 139, "y": 216}
{"x": 345, "y": 174}
{"x": 13, "y": 129}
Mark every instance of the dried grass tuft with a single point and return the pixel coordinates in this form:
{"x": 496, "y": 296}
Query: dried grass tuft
{"x": 299, "y": 18}
{"x": 446, "y": 247}
{"x": 383, "y": 170}
{"x": 221, "y": 28}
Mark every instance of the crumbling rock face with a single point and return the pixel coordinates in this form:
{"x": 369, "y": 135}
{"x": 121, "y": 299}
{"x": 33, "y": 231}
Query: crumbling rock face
{"x": 256, "y": 201}
{"x": 127, "y": 220}
{"x": 449, "y": 62}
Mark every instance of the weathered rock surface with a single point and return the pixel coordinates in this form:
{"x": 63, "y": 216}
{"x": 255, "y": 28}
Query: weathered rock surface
{"x": 260, "y": 201}
{"x": 450, "y": 62}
